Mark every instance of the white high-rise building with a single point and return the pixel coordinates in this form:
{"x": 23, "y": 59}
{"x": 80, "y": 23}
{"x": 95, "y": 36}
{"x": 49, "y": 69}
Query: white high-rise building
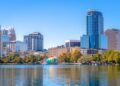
{"x": 34, "y": 41}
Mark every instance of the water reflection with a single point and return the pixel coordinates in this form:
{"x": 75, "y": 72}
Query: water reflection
{"x": 113, "y": 76}
{"x": 21, "y": 76}
{"x": 82, "y": 76}
{"x": 59, "y": 75}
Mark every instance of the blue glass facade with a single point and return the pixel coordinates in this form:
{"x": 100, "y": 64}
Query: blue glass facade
{"x": 103, "y": 42}
{"x": 94, "y": 28}
{"x": 95, "y": 37}
{"x": 84, "y": 41}
{"x": 5, "y": 38}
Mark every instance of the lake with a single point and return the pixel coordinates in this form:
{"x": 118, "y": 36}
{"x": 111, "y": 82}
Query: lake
{"x": 59, "y": 75}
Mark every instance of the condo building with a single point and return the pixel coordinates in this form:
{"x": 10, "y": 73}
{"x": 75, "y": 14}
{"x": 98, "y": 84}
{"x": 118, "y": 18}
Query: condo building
{"x": 12, "y": 34}
{"x": 34, "y": 41}
{"x": 113, "y": 39}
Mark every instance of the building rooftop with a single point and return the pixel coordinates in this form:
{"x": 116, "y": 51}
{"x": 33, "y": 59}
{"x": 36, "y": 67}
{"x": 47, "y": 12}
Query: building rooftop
{"x": 113, "y": 29}
{"x": 34, "y": 33}
{"x": 93, "y": 12}
{"x": 72, "y": 41}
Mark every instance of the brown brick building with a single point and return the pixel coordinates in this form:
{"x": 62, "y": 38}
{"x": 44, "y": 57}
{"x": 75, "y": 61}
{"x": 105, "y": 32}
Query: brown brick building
{"x": 113, "y": 39}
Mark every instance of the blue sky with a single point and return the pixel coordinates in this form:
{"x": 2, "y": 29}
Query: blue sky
{"x": 57, "y": 20}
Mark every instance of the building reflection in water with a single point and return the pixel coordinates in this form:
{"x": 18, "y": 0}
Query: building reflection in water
{"x": 82, "y": 76}
{"x": 59, "y": 75}
{"x": 89, "y": 76}
{"x": 21, "y": 77}
{"x": 113, "y": 75}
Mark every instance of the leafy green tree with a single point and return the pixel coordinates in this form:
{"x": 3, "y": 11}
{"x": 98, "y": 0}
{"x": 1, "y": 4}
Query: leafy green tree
{"x": 5, "y": 60}
{"x": 112, "y": 56}
{"x": 76, "y": 54}
{"x": 65, "y": 57}
{"x": 97, "y": 57}
{"x": 30, "y": 59}
{"x": 18, "y": 60}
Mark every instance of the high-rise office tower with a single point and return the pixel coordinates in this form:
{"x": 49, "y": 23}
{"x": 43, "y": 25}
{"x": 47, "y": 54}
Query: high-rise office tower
{"x": 113, "y": 39}
{"x": 5, "y": 36}
{"x": 34, "y": 41}
{"x": 12, "y": 34}
{"x": 94, "y": 27}
{"x": 4, "y": 32}
{"x": 0, "y": 42}
{"x": 94, "y": 22}
{"x": 95, "y": 34}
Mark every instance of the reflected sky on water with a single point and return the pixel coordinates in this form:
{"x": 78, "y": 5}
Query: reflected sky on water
{"x": 21, "y": 75}
{"x": 59, "y": 75}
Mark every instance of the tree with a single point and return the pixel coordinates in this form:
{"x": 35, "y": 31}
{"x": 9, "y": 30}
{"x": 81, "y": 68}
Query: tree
{"x": 76, "y": 54}
{"x": 30, "y": 59}
{"x": 117, "y": 57}
{"x": 97, "y": 57}
{"x": 112, "y": 56}
{"x": 5, "y": 60}
{"x": 65, "y": 57}
{"x": 18, "y": 60}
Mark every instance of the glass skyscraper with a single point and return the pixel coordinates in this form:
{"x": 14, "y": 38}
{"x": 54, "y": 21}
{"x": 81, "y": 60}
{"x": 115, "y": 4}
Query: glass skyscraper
{"x": 95, "y": 32}
{"x": 94, "y": 27}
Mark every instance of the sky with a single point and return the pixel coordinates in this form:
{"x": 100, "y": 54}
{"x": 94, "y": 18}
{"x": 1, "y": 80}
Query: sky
{"x": 57, "y": 20}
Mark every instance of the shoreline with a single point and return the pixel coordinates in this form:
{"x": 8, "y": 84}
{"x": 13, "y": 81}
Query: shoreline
{"x": 105, "y": 64}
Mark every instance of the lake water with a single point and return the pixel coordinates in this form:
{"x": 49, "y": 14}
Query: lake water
{"x": 59, "y": 75}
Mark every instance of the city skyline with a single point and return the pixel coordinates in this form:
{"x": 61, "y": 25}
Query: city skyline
{"x": 57, "y": 20}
